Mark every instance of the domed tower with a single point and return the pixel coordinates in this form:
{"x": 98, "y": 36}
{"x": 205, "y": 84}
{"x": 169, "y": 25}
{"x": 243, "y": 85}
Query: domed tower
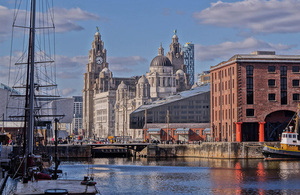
{"x": 142, "y": 91}
{"x": 104, "y": 80}
{"x": 121, "y": 92}
{"x": 175, "y": 54}
{"x": 160, "y": 76}
{"x": 181, "y": 81}
{"x": 96, "y": 62}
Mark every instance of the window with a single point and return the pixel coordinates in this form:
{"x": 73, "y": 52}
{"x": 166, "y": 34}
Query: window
{"x": 271, "y": 82}
{"x": 197, "y": 132}
{"x": 249, "y": 112}
{"x": 249, "y": 82}
{"x": 249, "y": 70}
{"x": 249, "y": 97}
{"x": 296, "y": 96}
{"x": 283, "y": 97}
{"x": 271, "y": 68}
{"x": 283, "y": 83}
{"x": 271, "y": 96}
{"x": 295, "y": 83}
{"x": 295, "y": 69}
{"x": 283, "y": 70}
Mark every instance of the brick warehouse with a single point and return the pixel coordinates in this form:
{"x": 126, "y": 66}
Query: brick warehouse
{"x": 254, "y": 96}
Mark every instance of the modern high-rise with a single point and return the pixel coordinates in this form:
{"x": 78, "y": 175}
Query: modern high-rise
{"x": 77, "y": 118}
{"x": 188, "y": 50}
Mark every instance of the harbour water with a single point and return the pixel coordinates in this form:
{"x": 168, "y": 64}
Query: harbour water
{"x": 187, "y": 176}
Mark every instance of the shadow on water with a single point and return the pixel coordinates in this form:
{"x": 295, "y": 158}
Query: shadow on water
{"x": 188, "y": 175}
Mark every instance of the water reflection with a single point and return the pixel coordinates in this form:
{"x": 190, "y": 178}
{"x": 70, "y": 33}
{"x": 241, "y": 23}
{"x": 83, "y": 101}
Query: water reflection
{"x": 188, "y": 176}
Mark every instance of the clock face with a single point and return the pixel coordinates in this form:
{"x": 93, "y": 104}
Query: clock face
{"x": 99, "y": 60}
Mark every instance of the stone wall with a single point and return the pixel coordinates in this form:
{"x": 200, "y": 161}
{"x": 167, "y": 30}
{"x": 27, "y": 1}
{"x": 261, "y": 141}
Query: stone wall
{"x": 228, "y": 150}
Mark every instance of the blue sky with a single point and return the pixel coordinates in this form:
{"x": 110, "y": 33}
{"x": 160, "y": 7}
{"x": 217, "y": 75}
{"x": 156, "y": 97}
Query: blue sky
{"x": 133, "y": 29}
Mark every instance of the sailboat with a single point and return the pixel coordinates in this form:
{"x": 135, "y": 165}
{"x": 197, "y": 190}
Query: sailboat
{"x": 36, "y": 87}
{"x": 289, "y": 144}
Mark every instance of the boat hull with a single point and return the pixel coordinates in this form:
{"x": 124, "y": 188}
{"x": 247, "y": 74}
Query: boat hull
{"x": 272, "y": 153}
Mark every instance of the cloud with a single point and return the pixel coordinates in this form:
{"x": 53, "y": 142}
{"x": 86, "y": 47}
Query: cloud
{"x": 67, "y": 92}
{"x": 125, "y": 64}
{"x": 260, "y": 16}
{"x": 64, "y": 19}
{"x": 227, "y": 49}
{"x": 71, "y": 67}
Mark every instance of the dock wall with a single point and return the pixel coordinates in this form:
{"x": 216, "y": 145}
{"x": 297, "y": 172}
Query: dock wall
{"x": 227, "y": 150}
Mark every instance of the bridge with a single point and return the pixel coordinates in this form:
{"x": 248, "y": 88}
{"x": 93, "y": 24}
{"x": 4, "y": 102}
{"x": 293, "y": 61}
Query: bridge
{"x": 117, "y": 149}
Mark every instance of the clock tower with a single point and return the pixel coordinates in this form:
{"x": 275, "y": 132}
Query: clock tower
{"x": 97, "y": 62}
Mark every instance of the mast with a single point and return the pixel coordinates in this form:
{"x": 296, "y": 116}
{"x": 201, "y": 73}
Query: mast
{"x": 31, "y": 82}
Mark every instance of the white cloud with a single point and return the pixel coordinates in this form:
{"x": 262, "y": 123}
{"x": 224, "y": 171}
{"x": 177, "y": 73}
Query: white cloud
{"x": 265, "y": 16}
{"x": 227, "y": 49}
{"x": 125, "y": 64}
{"x": 67, "y": 92}
{"x": 64, "y": 19}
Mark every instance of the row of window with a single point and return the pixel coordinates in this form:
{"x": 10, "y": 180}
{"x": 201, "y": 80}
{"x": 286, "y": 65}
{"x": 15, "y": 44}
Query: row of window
{"x": 224, "y": 115}
{"x": 223, "y": 100}
{"x": 283, "y": 69}
{"x": 283, "y": 82}
{"x": 272, "y": 96}
{"x": 272, "y": 69}
{"x": 221, "y": 73}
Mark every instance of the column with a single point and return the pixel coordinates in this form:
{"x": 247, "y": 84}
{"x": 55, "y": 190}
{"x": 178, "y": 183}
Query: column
{"x": 238, "y": 131}
{"x": 262, "y": 131}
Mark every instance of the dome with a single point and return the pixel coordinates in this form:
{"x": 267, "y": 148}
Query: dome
{"x": 175, "y": 36}
{"x": 105, "y": 70}
{"x": 142, "y": 80}
{"x": 180, "y": 72}
{"x": 161, "y": 60}
{"x": 97, "y": 34}
{"x": 122, "y": 86}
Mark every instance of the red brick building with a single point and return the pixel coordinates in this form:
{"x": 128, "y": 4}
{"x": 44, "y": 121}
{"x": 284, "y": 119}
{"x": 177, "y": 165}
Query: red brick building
{"x": 254, "y": 96}
{"x": 186, "y": 132}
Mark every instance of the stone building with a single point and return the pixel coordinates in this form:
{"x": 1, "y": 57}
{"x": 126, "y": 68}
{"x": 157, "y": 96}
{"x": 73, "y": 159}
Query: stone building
{"x": 254, "y": 96}
{"x": 108, "y": 101}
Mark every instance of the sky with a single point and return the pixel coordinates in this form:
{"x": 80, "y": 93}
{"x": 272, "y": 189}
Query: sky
{"x": 132, "y": 31}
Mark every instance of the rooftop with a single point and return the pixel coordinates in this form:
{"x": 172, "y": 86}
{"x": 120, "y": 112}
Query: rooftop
{"x": 179, "y": 96}
{"x": 260, "y": 56}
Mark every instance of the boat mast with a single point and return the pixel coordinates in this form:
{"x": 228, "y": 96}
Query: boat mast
{"x": 31, "y": 83}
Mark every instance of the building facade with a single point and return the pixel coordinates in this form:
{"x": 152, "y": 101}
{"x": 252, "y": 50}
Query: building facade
{"x": 203, "y": 78}
{"x": 191, "y": 106}
{"x": 253, "y": 97}
{"x": 108, "y": 101}
{"x": 188, "y": 50}
{"x": 77, "y": 117}
{"x": 176, "y": 132}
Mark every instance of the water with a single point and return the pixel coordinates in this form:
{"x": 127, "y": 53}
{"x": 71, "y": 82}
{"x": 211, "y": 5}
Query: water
{"x": 188, "y": 176}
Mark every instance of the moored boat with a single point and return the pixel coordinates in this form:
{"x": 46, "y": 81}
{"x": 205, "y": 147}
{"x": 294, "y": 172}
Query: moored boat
{"x": 289, "y": 148}
{"x": 289, "y": 144}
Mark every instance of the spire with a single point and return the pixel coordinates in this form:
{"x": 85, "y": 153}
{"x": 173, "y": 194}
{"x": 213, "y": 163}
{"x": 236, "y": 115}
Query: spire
{"x": 97, "y": 33}
{"x": 160, "y": 50}
{"x": 175, "y": 38}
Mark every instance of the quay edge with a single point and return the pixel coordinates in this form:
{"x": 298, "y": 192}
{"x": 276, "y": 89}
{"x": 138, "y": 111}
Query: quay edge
{"x": 224, "y": 150}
